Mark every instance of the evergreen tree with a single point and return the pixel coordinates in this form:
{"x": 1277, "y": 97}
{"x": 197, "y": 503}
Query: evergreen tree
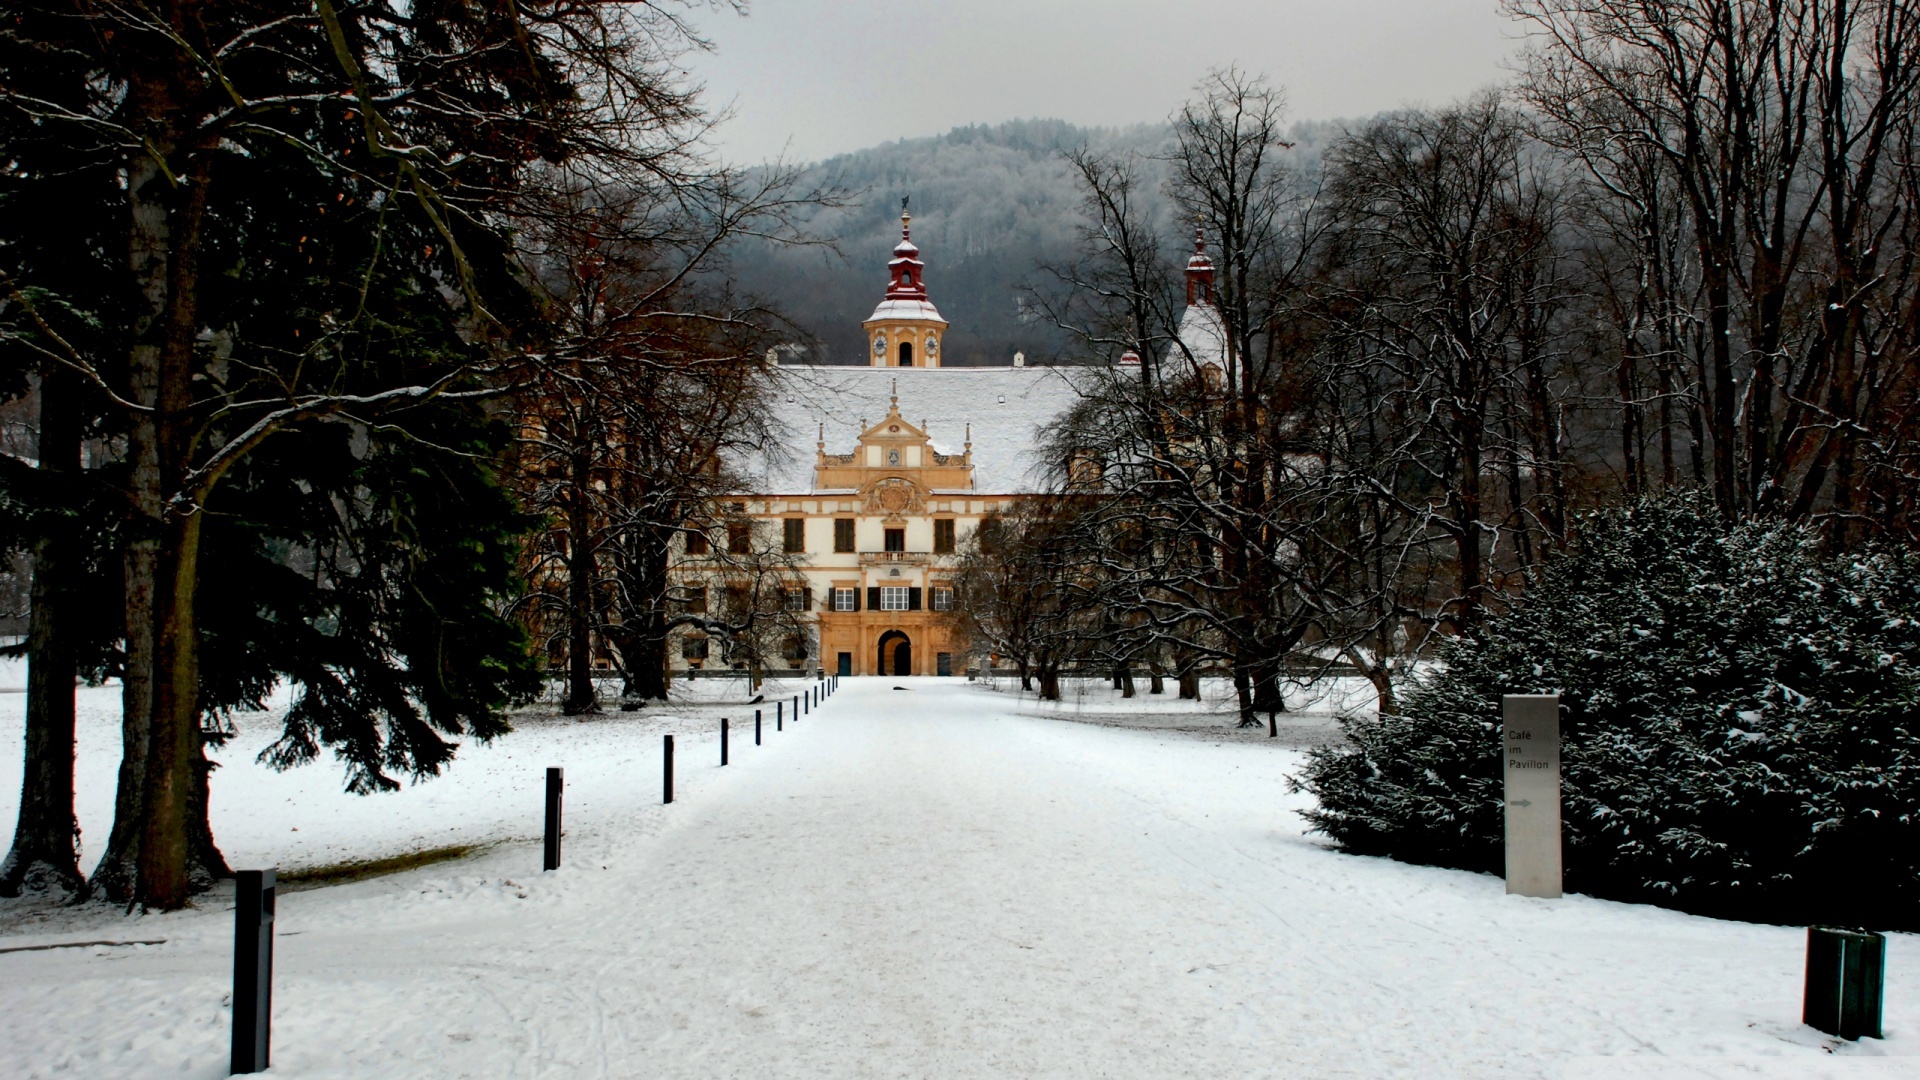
{"x": 1741, "y": 724}
{"x": 288, "y": 222}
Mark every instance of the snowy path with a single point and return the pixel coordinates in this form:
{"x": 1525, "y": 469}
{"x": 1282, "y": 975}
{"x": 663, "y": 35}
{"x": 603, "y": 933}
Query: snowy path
{"x": 918, "y": 884}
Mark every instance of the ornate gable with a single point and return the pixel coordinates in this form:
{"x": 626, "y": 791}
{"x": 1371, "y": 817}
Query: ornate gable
{"x": 894, "y": 456}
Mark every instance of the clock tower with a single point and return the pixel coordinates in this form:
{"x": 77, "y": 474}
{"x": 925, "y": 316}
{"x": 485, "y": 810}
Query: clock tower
{"x": 904, "y": 331}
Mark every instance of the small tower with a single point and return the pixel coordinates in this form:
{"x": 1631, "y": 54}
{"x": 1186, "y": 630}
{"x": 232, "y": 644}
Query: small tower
{"x": 904, "y": 331}
{"x": 1199, "y": 271}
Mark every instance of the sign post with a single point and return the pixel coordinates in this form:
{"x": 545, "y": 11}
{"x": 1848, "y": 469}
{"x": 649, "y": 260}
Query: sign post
{"x": 550, "y": 858}
{"x": 1530, "y": 739}
{"x": 252, "y": 970}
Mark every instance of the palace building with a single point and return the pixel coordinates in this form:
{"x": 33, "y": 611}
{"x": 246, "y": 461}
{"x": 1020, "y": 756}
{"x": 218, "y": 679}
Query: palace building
{"x": 887, "y": 468}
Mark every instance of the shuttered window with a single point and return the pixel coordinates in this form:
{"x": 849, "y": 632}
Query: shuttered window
{"x": 893, "y": 598}
{"x": 843, "y": 535}
{"x": 943, "y": 536}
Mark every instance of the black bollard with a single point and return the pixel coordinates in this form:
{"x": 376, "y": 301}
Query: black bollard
{"x": 666, "y": 771}
{"x": 756, "y": 727}
{"x": 806, "y": 704}
{"x": 551, "y": 859}
{"x": 1846, "y": 977}
{"x": 252, "y": 970}
{"x": 723, "y": 741}
{"x": 779, "y": 711}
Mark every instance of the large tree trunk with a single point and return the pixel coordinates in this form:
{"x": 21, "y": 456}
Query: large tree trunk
{"x": 45, "y": 838}
{"x": 647, "y": 668}
{"x": 167, "y": 223}
{"x": 173, "y": 746}
{"x": 1049, "y": 681}
{"x": 147, "y": 259}
{"x": 1243, "y": 693}
{"x": 1266, "y": 688}
{"x": 1376, "y": 672}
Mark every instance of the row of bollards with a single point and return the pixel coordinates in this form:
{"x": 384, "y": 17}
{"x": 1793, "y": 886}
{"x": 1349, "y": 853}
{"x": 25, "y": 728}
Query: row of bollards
{"x": 254, "y": 892}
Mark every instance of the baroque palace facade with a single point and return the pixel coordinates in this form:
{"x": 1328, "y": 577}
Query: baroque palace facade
{"x": 885, "y": 471}
{"x": 870, "y": 506}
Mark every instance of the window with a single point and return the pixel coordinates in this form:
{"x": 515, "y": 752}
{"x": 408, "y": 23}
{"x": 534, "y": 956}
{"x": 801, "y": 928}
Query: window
{"x": 906, "y": 354}
{"x": 943, "y": 536}
{"x": 893, "y": 598}
{"x": 696, "y": 601}
{"x": 843, "y": 534}
{"x": 896, "y": 539}
{"x": 794, "y": 648}
{"x": 795, "y": 537}
{"x": 739, "y": 537}
{"x": 797, "y": 599}
{"x": 846, "y": 600}
{"x": 693, "y": 648}
{"x": 697, "y": 541}
{"x": 941, "y": 598}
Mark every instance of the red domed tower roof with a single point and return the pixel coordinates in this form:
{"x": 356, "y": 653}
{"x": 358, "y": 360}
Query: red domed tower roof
{"x": 906, "y": 285}
{"x": 906, "y": 270}
{"x": 1199, "y": 271}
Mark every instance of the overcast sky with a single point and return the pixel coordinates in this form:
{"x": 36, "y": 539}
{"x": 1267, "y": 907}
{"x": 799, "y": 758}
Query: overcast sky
{"x": 812, "y": 78}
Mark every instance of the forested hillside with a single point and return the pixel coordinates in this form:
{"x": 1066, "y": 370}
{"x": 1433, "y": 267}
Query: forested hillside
{"x": 992, "y": 206}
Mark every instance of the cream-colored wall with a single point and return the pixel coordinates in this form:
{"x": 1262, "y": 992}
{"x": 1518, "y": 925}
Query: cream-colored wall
{"x": 918, "y": 331}
{"x": 822, "y": 567}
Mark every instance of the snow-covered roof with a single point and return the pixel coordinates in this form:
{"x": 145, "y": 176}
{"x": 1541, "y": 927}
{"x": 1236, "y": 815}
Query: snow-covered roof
{"x": 1204, "y": 336}
{"x": 1007, "y": 407}
{"x": 906, "y": 309}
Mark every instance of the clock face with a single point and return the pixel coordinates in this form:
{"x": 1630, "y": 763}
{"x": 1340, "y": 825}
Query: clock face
{"x": 879, "y": 346}
{"x": 933, "y": 346}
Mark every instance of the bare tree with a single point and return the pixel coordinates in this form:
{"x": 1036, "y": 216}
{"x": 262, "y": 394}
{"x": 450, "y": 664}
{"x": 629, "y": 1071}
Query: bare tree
{"x": 1453, "y": 287}
{"x": 1786, "y": 130}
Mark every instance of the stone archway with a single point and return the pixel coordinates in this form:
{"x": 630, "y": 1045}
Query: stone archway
{"x": 895, "y": 654}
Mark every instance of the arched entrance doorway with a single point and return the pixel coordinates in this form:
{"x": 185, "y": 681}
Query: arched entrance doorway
{"x": 896, "y": 654}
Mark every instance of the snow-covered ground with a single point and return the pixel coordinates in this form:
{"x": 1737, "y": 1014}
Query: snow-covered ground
{"x": 918, "y": 882}
{"x": 302, "y": 819}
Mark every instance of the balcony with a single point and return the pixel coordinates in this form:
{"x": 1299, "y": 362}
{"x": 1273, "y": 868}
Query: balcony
{"x": 896, "y": 558}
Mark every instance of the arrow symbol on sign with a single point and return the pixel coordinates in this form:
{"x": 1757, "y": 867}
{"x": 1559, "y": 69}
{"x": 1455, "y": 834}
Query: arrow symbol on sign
{"x": 1520, "y": 802}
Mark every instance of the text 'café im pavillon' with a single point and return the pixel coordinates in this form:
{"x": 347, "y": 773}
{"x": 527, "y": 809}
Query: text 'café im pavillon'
{"x": 873, "y": 525}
